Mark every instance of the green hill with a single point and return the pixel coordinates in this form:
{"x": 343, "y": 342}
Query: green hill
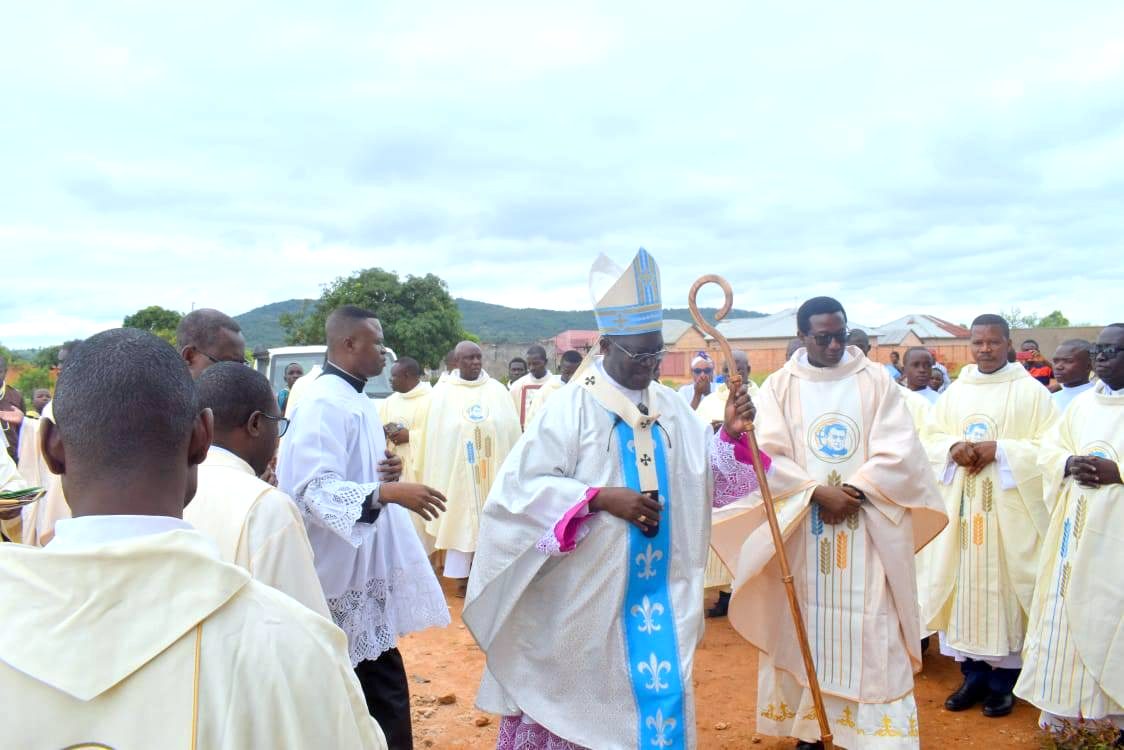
{"x": 492, "y": 323}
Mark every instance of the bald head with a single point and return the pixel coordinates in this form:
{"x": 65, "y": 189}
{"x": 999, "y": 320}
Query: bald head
{"x": 470, "y": 359}
{"x": 207, "y": 336}
{"x": 355, "y": 341}
{"x": 741, "y": 361}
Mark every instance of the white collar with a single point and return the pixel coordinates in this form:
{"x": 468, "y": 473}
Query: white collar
{"x": 1082, "y": 387}
{"x": 807, "y": 363}
{"x": 86, "y": 531}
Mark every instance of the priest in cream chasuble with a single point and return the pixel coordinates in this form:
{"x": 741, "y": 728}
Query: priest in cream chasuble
{"x": 855, "y": 499}
{"x": 983, "y": 440}
{"x": 1073, "y": 659}
{"x": 472, "y": 426}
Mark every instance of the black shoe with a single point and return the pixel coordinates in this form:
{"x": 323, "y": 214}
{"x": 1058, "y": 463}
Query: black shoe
{"x": 967, "y": 695}
{"x": 925, "y": 643}
{"x": 721, "y": 607}
{"x": 802, "y": 745}
{"x": 998, "y": 704}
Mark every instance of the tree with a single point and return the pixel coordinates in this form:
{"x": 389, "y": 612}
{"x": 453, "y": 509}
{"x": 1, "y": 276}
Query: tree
{"x": 153, "y": 318}
{"x": 47, "y": 357}
{"x": 419, "y": 317}
{"x": 32, "y": 378}
{"x": 1054, "y": 320}
{"x": 1016, "y": 319}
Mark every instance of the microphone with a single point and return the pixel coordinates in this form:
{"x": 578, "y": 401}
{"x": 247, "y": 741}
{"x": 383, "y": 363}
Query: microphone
{"x": 642, "y": 408}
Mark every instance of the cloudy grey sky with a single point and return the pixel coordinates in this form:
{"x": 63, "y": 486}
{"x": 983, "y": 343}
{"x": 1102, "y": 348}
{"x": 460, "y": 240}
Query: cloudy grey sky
{"x": 950, "y": 159}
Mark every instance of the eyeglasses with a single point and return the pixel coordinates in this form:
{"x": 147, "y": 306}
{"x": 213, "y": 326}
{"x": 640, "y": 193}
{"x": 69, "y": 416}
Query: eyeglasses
{"x": 1108, "y": 350}
{"x": 282, "y": 423}
{"x": 824, "y": 339}
{"x": 702, "y": 370}
{"x": 648, "y": 359}
{"x": 215, "y": 360}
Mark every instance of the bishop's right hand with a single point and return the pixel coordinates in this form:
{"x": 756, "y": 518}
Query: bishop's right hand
{"x": 425, "y": 501}
{"x": 629, "y": 505}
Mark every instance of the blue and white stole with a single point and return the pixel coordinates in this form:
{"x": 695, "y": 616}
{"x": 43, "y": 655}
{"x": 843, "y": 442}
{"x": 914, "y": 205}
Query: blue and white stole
{"x": 647, "y": 617}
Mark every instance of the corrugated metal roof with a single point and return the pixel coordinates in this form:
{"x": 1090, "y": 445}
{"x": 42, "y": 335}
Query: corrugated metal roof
{"x": 780, "y": 325}
{"x": 673, "y": 329}
{"x": 925, "y": 326}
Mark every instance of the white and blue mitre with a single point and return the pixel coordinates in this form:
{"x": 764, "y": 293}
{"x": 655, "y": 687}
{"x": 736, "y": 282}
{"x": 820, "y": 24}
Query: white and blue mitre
{"x": 632, "y": 304}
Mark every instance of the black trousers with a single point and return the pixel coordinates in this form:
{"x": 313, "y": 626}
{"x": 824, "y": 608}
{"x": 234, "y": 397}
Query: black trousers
{"x": 998, "y": 680}
{"x": 388, "y": 697}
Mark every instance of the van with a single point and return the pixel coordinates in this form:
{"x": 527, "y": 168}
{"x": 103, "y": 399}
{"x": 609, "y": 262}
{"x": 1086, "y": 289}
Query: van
{"x": 272, "y": 364}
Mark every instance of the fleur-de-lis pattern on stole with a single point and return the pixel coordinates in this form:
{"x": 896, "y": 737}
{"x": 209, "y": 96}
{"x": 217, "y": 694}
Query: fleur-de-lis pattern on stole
{"x": 647, "y": 616}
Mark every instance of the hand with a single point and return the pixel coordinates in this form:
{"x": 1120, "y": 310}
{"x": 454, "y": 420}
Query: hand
{"x": 985, "y": 454}
{"x": 400, "y": 436}
{"x": 702, "y": 385}
{"x": 740, "y": 412}
{"x": 425, "y": 501}
{"x": 1093, "y": 471}
{"x": 390, "y": 468}
{"x": 963, "y": 454}
{"x": 837, "y": 504}
{"x": 627, "y": 505}
{"x": 11, "y": 416}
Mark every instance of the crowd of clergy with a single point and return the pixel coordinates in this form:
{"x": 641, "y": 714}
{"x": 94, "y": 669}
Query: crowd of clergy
{"x": 209, "y": 564}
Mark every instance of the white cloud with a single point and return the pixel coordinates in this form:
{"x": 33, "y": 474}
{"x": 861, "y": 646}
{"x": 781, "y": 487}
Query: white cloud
{"x": 909, "y": 159}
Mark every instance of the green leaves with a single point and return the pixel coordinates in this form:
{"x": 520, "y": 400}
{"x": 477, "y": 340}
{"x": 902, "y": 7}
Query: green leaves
{"x": 419, "y": 318}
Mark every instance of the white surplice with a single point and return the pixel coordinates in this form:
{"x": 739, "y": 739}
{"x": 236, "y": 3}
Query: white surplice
{"x": 129, "y": 632}
{"x": 376, "y": 576}
{"x": 256, "y": 526}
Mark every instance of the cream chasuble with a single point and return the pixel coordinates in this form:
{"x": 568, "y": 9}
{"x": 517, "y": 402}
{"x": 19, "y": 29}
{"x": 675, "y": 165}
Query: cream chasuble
{"x": 39, "y": 518}
{"x": 257, "y": 527}
{"x": 471, "y": 428}
{"x": 983, "y": 566}
{"x": 919, "y": 407}
{"x": 411, "y": 410}
{"x": 549, "y": 388}
{"x": 855, "y": 580}
{"x": 523, "y": 393}
{"x": 1073, "y": 660}
{"x": 152, "y": 642}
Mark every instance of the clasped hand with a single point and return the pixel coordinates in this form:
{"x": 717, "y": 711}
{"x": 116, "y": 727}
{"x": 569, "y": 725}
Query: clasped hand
{"x": 973, "y": 456}
{"x": 1092, "y": 471}
{"x": 837, "y": 504}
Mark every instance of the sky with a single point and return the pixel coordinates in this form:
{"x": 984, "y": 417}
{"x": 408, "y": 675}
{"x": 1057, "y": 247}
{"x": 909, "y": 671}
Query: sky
{"x": 949, "y": 159}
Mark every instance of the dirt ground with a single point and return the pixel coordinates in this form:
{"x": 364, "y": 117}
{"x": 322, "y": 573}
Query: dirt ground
{"x": 446, "y": 662}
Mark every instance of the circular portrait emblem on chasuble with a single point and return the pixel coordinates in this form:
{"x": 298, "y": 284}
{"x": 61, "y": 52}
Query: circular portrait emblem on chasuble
{"x": 834, "y": 437}
{"x": 1101, "y": 449}
{"x": 475, "y": 413}
{"x": 979, "y": 428}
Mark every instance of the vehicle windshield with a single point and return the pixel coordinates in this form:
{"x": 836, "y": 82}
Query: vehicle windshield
{"x": 377, "y": 387}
